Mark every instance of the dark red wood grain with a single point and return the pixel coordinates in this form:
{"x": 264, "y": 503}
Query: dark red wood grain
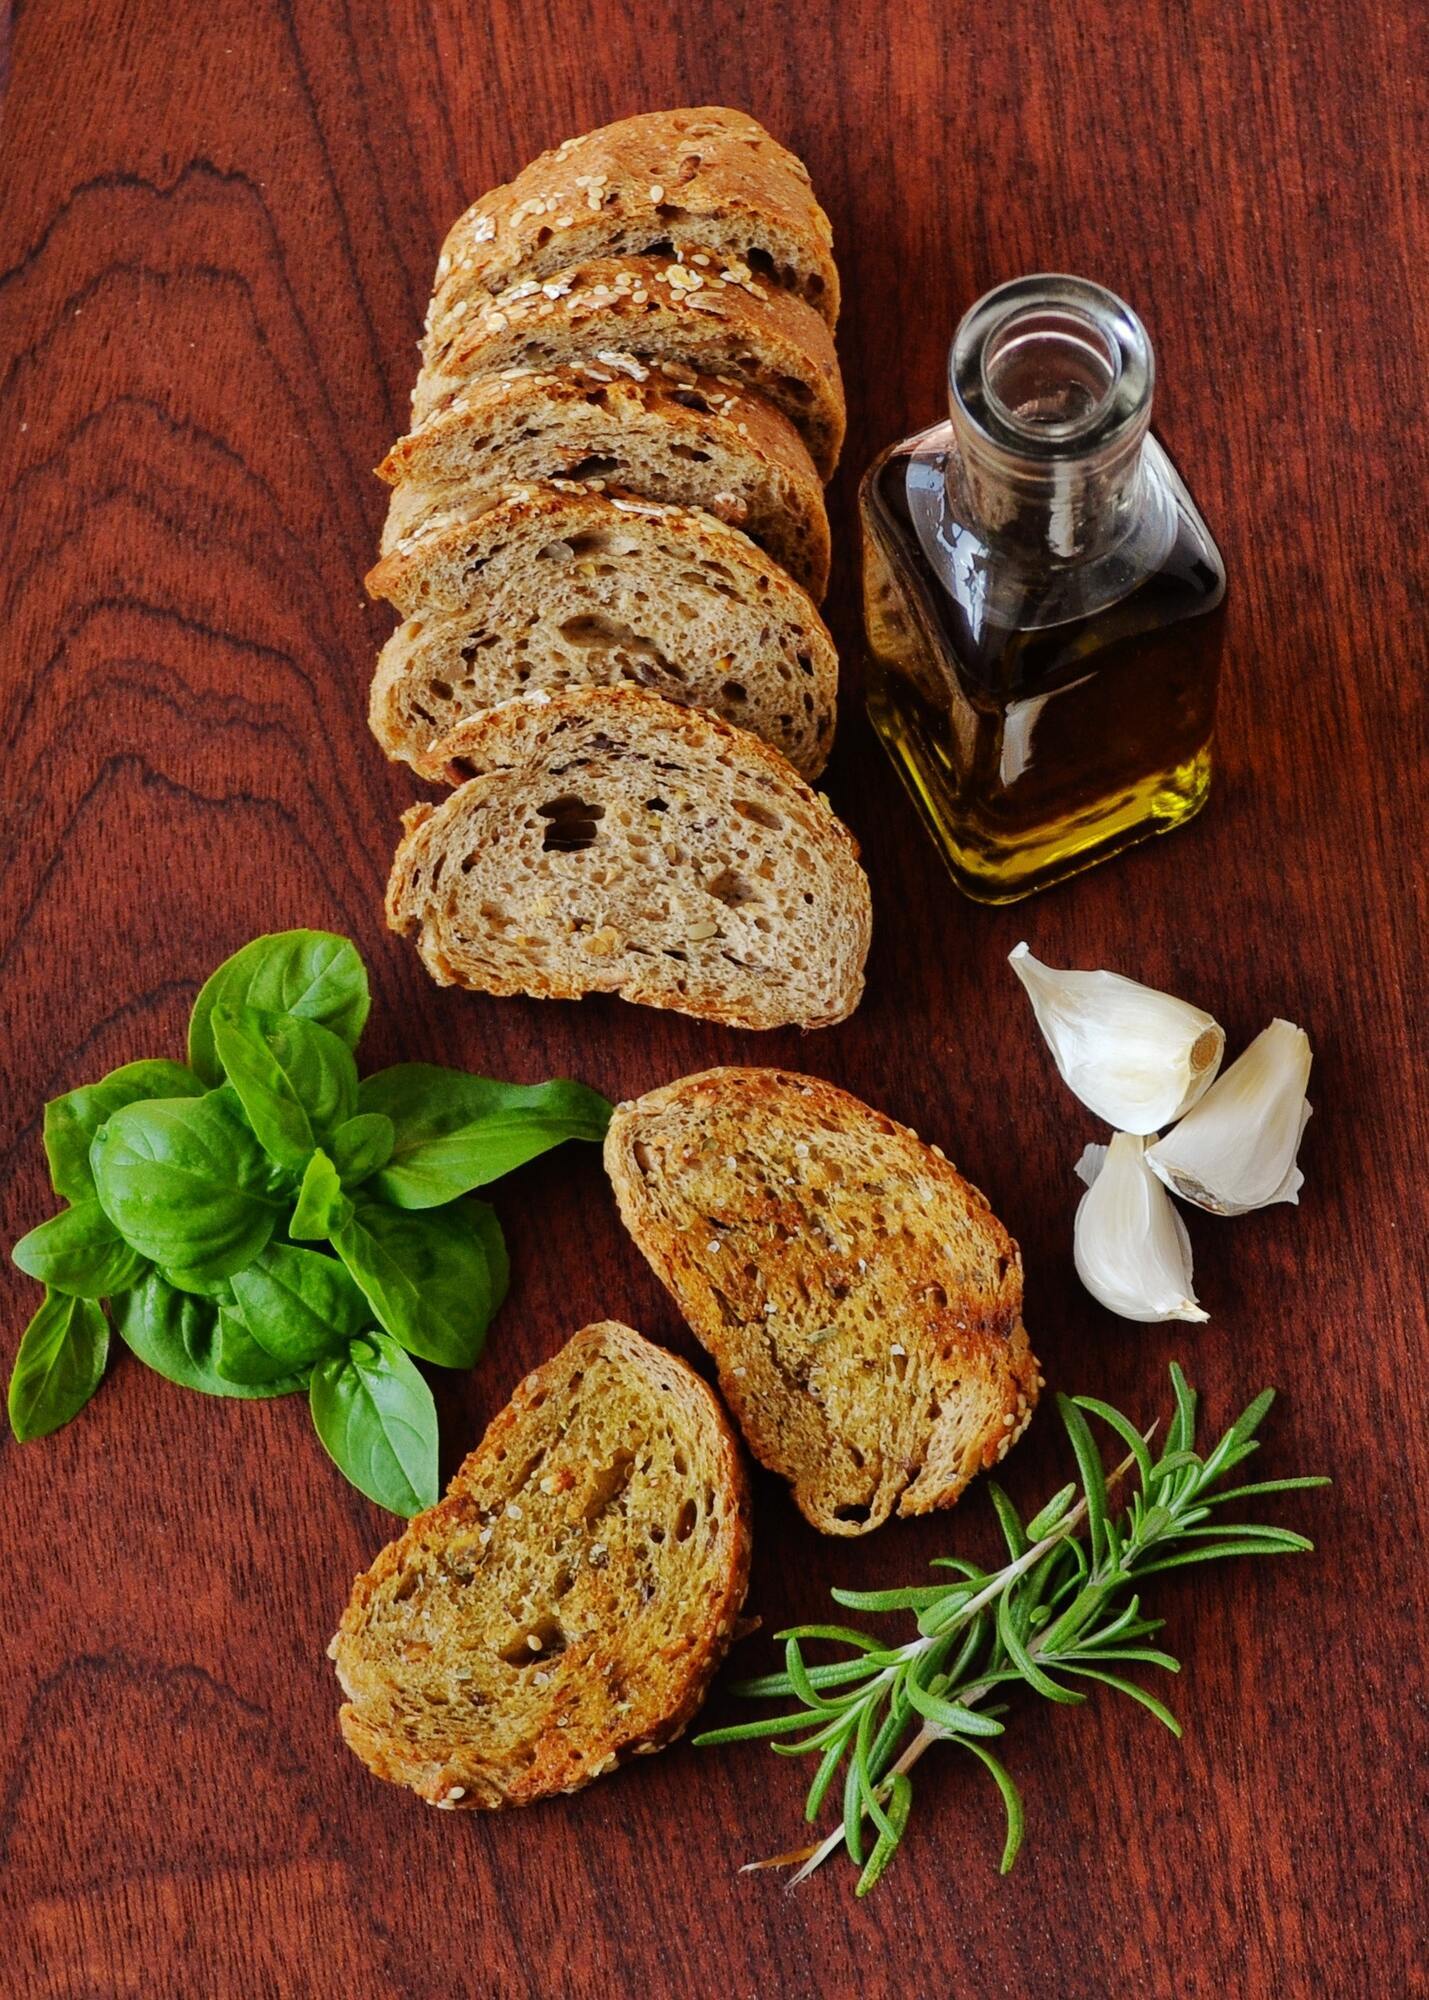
{"x": 217, "y": 228}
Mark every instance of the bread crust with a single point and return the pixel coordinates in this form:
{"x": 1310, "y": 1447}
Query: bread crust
{"x": 697, "y": 178}
{"x": 518, "y": 734}
{"x": 733, "y": 453}
{"x": 687, "y": 539}
{"x": 743, "y": 1253}
{"x": 561, "y": 1751}
{"x": 666, "y": 315}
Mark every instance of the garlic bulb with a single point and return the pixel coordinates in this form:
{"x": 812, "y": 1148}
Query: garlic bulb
{"x": 1136, "y": 1057}
{"x": 1236, "y": 1150}
{"x": 1130, "y": 1246}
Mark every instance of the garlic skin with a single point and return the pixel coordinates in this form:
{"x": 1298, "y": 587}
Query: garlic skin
{"x": 1237, "y": 1149}
{"x": 1129, "y": 1245}
{"x": 1138, "y": 1058}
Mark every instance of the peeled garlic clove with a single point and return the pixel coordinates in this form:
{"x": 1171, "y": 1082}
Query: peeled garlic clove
{"x": 1236, "y": 1150}
{"x": 1130, "y": 1246}
{"x": 1090, "y": 1164}
{"x": 1136, "y": 1057}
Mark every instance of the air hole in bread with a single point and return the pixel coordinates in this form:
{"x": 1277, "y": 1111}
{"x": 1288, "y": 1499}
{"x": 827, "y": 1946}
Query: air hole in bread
{"x": 734, "y": 692}
{"x": 541, "y": 1641}
{"x": 607, "y": 1485}
{"x": 689, "y": 452}
{"x": 732, "y": 889}
{"x": 685, "y": 1521}
{"x": 656, "y": 806}
{"x": 593, "y": 466}
{"x": 760, "y": 261}
{"x": 797, "y": 391}
{"x": 858, "y": 1515}
{"x": 572, "y": 824}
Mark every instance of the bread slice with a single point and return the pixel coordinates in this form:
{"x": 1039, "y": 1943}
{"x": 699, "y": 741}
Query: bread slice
{"x": 566, "y": 1605}
{"x": 573, "y": 589}
{"x": 704, "y": 446}
{"x": 655, "y": 313}
{"x": 609, "y": 842}
{"x": 861, "y": 1301}
{"x": 702, "y": 182}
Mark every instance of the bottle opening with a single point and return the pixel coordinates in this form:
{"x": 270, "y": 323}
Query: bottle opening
{"x": 1049, "y": 371}
{"x": 1050, "y": 367}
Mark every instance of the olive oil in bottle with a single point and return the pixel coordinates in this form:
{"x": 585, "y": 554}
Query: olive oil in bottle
{"x": 1042, "y": 599}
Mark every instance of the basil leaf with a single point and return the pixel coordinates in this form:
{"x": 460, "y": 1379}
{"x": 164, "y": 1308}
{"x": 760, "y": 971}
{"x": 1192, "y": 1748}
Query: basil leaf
{"x": 71, "y": 1121}
{"x": 378, "y": 1423}
{"x": 80, "y": 1252}
{"x": 59, "y": 1365}
{"x": 241, "y": 1361}
{"x": 294, "y": 1078}
{"x": 313, "y": 974}
{"x": 321, "y": 1203}
{"x": 361, "y": 1146}
{"x": 426, "y": 1277}
{"x": 184, "y": 1182}
{"x": 298, "y": 1305}
{"x": 455, "y": 1132}
{"x": 175, "y": 1333}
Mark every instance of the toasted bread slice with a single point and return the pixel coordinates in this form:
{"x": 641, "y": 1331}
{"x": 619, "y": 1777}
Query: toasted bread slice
{"x": 566, "y": 1605}
{"x": 861, "y": 1301}
{"x": 609, "y": 842}
{"x": 703, "y": 182}
{"x": 702, "y": 446}
{"x": 553, "y": 588}
{"x": 661, "y": 315}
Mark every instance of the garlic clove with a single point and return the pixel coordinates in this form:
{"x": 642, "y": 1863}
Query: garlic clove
{"x": 1129, "y": 1245}
{"x": 1236, "y": 1150}
{"x": 1136, "y": 1057}
{"x": 1090, "y": 1164}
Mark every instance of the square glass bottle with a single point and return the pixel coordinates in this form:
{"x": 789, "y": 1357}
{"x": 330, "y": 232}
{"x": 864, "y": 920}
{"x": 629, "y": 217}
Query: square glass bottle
{"x": 1042, "y": 599}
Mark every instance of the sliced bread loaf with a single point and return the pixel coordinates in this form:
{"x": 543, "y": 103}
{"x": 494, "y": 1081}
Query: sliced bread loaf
{"x": 566, "y": 1605}
{"x": 608, "y": 842}
{"x": 705, "y": 446}
{"x": 568, "y": 588}
{"x": 860, "y": 1299}
{"x": 704, "y": 181}
{"x": 660, "y": 314}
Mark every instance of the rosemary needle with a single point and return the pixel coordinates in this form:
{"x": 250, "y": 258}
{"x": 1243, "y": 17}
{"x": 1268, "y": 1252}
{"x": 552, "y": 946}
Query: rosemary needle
{"x": 1063, "y": 1610}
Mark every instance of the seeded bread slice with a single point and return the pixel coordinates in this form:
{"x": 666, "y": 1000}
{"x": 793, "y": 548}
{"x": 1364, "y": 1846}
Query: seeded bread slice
{"x": 566, "y": 1605}
{"x": 663, "y": 315}
{"x": 568, "y": 588}
{"x": 704, "y": 446}
{"x": 705, "y": 181}
{"x": 609, "y": 842}
{"x": 861, "y": 1301}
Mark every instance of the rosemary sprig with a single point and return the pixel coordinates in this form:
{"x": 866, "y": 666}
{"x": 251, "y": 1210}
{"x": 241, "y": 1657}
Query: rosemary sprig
{"x": 1063, "y": 1609}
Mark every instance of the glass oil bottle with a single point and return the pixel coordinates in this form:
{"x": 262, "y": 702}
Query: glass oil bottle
{"x": 1042, "y": 599}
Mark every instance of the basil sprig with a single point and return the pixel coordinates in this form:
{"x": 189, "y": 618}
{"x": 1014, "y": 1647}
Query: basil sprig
{"x": 262, "y": 1222}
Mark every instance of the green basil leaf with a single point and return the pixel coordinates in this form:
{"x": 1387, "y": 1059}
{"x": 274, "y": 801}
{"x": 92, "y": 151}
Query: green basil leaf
{"x": 483, "y": 1220}
{"x": 295, "y": 1079}
{"x": 361, "y": 1146}
{"x": 59, "y": 1365}
{"x": 313, "y": 974}
{"x": 299, "y": 1305}
{"x": 175, "y": 1334}
{"x": 218, "y": 1290}
{"x": 456, "y": 1132}
{"x": 426, "y": 1277}
{"x": 80, "y": 1252}
{"x": 378, "y": 1423}
{"x": 71, "y": 1121}
{"x": 241, "y": 1361}
{"x": 321, "y": 1203}
{"x": 184, "y": 1182}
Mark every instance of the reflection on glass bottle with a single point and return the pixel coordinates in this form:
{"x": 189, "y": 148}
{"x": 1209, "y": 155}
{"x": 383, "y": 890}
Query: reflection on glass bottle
{"x": 1042, "y": 599}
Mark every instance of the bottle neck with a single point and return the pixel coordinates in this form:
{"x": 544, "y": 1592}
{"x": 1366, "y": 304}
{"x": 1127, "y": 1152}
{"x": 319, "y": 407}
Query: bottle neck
{"x": 1051, "y": 383}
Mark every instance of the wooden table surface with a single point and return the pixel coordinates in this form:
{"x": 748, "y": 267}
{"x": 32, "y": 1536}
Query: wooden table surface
{"x": 217, "y": 230}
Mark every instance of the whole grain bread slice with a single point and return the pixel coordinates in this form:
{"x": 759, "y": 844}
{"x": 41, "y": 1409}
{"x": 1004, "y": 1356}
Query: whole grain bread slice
{"x": 704, "y": 445}
{"x": 606, "y": 841}
{"x": 561, "y": 588}
{"x": 860, "y": 1300}
{"x": 703, "y": 182}
{"x": 659, "y": 314}
{"x": 568, "y": 1602}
